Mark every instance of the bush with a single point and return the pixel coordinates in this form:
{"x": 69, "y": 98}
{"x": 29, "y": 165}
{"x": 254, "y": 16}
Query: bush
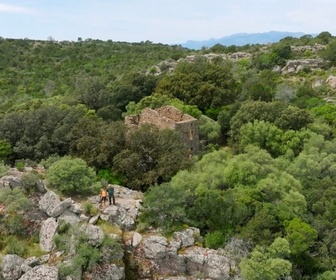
{"x": 109, "y": 176}
{"x": 14, "y": 200}
{"x": 20, "y": 165}
{"x": 3, "y": 169}
{"x": 46, "y": 163}
{"x": 29, "y": 181}
{"x": 215, "y": 239}
{"x": 15, "y": 246}
{"x": 71, "y": 176}
{"x": 90, "y": 209}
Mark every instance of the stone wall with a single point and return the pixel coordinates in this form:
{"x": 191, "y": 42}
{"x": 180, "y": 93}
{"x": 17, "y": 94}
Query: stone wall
{"x": 171, "y": 118}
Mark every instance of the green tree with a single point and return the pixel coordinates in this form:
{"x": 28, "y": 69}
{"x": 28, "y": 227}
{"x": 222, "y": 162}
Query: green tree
{"x": 300, "y": 235}
{"x": 267, "y": 263}
{"x": 5, "y": 149}
{"x": 150, "y": 156}
{"x": 71, "y": 176}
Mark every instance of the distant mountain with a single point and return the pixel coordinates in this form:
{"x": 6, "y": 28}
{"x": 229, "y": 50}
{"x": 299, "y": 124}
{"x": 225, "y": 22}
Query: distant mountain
{"x": 241, "y": 39}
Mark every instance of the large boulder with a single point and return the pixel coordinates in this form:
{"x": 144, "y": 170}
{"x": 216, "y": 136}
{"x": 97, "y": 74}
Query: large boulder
{"x": 95, "y": 234}
{"x": 61, "y": 207}
{"x": 331, "y": 81}
{"x": 69, "y": 217}
{"x": 49, "y": 202}
{"x": 41, "y": 272}
{"x": 155, "y": 247}
{"x": 47, "y": 233}
{"x": 10, "y": 267}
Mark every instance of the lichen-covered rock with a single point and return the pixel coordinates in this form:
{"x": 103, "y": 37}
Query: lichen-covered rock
{"x": 69, "y": 217}
{"x": 94, "y": 233}
{"x": 155, "y": 247}
{"x": 49, "y": 202}
{"x": 76, "y": 208}
{"x": 10, "y": 267}
{"x": 47, "y": 233}
{"x": 42, "y": 272}
{"x": 137, "y": 237}
{"x": 187, "y": 236}
{"x": 331, "y": 81}
{"x": 106, "y": 272}
{"x": 61, "y": 207}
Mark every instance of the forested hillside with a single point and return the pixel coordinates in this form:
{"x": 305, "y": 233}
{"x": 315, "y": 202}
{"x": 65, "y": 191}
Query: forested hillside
{"x": 267, "y": 122}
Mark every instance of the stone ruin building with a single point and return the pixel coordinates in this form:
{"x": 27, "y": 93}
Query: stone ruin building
{"x": 172, "y": 118}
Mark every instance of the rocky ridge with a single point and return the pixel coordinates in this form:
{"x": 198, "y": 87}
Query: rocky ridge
{"x": 152, "y": 254}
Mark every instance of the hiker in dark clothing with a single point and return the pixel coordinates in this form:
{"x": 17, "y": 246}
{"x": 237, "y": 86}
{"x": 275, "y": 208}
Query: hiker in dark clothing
{"x": 110, "y": 191}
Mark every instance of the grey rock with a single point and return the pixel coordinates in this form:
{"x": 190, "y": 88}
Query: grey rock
{"x": 49, "y": 202}
{"x": 94, "y": 220}
{"x": 32, "y": 261}
{"x": 187, "y": 236}
{"x": 137, "y": 237}
{"x": 155, "y": 247}
{"x": 47, "y": 233}
{"x": 69, "y": 217}
{"x": 44, "y": 258}
{"x": 42, "y": 272}
{"x": 108, "y": 272}
{"x": 95, "y": 234}
{"x": 60, "y": 208}
{"x": 84, "y": 218}
{"x": 76, "y": 208}
{"x": 331, "y": 81}
{"x": 10, "y": 267}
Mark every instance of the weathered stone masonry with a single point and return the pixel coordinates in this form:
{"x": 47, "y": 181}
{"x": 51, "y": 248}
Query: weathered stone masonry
{"x": 172, "y": 118}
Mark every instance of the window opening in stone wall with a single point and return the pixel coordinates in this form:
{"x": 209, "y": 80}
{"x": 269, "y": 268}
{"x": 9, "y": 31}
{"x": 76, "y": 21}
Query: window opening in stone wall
{"x": 191, "y": 135}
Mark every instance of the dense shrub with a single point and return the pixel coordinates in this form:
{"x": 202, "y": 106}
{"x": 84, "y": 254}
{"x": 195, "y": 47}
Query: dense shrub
{"x": 71, "y": 176}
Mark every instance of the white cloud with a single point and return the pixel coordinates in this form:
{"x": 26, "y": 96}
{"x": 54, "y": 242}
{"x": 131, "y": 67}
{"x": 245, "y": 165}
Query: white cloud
{"x": 4, "y": 8}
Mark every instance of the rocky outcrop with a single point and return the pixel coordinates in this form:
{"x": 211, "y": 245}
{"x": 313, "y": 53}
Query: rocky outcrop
{"x": 295, "y": 66}
{"x": 180, "y": 258}
{"x": 170, "y": 64}
{"x": 154, "y": 255}
{"x": 331, "y": 81}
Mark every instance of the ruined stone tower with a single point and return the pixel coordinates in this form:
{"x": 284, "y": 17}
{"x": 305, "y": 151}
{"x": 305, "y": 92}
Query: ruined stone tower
{"x": 172, "y": 118}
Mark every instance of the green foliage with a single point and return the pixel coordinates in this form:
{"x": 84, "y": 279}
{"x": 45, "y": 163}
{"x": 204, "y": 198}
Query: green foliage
{"x": 14, "y": 199}
{"x": 90, "y": 209}
{"x": 29, "y": 181}
{"x": 201, "y": 83}
{"x": 300, "y": 235}
{"x": 267, "y": 263}
{"x": 84, "y": 256}
{"x": 150, "y": 156}
{"x": 3, "y": 169}
{"x": 14, "y": 245}
{"x": 215, "y": 239}
{"x": 71, "y": 176}
{"x": 209, "y": 130}
{"x": 168, "y": 212}
{"x": 109, "y": 176}
{"x": 5, "y": 149}
{"x": 20, "y": 165}
{"x": 46, "y": 163}
{"x": 277, "y": 55}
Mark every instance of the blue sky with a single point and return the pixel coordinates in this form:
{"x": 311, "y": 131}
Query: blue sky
{"x": 161, "y": 21}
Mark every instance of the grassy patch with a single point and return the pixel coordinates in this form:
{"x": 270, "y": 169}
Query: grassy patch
{"x": 108, "y": 228}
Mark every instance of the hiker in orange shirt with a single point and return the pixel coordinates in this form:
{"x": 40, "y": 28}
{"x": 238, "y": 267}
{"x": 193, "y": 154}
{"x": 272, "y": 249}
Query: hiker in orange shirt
{"x": 103, "y": 196}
